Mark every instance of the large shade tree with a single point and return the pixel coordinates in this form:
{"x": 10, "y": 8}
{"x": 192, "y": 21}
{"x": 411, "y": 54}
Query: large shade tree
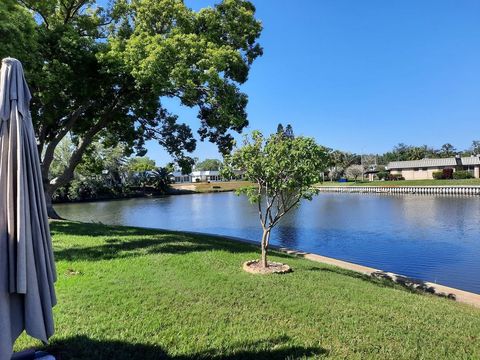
{"x": 209, "y": 165}
{"x": 105, "y": 72}
{"x": 283, "y": 169}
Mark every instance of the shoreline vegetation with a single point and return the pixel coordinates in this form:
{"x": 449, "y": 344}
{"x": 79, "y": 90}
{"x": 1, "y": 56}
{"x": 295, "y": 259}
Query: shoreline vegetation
{"x": 177, "y": 295}
{"x": 228, "y": 186}
{"x": 175, "y": 189}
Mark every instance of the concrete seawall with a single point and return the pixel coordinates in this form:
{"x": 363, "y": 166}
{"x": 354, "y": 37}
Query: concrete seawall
{"x": 425, "y": 286}
{"x": 422, "y": 190}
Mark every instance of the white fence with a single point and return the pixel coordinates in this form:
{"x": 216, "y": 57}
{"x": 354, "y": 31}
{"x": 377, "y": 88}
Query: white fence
{"x": 427, "y": 190}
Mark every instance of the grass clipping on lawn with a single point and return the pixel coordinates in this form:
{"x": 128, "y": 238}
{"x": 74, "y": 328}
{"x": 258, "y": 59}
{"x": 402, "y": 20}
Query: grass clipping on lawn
{"x": 127, "y": 293}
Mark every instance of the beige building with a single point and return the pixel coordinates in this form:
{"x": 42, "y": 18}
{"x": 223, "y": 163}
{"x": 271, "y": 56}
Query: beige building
{"x": 424, "y": 169}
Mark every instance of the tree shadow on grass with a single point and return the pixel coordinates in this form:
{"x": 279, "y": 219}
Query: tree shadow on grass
{"x": 82, "y": 347}
{"x": 355, "y": 275}
{"x": 129, "y": 248}
{"x": 125, "y": 242}
{"x": 95, "y": 229}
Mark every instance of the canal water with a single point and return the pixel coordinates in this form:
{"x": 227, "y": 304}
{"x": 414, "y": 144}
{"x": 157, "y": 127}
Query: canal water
{"x": 433, "y": 238}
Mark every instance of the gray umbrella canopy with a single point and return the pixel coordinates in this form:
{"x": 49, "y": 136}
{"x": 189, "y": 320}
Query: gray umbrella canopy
{"x": 27, "y": 268}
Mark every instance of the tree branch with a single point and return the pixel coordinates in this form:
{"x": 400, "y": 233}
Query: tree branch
{"x": 77, "y": 155}
{"x": 260, "y": 211}
{"x": 52, "y": 145}
{"x": 72, "y": 10}
{"x": 87, "y": 139}
{"x": 278, "y": 217}
{"x": 34, "y": 9}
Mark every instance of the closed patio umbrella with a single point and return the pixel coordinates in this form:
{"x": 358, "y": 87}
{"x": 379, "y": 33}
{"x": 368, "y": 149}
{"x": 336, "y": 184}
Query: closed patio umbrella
{"x": 27, "y": 269}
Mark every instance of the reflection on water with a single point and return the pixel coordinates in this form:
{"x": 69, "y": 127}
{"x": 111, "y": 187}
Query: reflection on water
{"x": 433, "y": 238}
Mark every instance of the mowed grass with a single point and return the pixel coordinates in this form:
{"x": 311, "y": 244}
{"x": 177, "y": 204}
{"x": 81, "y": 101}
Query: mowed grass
{"x": 219, "y": 186}
{"x": 127, "y": 293}
{"x": 428, "y": 182}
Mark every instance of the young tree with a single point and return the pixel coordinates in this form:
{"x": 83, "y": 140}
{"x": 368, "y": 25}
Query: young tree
{"x": 354, "y": 171}
{"x": 103, "y": 72}
{"x": 283, "y": 169}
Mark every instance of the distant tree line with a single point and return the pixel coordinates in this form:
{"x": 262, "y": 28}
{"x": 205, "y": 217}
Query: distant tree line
{"x": 402, "y": 152}
{"x": 111, "y": 172}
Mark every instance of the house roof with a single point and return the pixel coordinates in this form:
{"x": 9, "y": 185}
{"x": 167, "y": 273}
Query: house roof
{"x": 473, "y": 160}
{"x": 179, "y": 173}
{"x": 205, "y": 172}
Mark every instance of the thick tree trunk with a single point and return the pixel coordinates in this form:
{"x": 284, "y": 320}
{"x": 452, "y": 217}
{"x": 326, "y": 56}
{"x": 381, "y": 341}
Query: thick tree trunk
{"x": 52, "y": 214}
{"x": 265, "y": 241}
{"x": 63, "y": 179}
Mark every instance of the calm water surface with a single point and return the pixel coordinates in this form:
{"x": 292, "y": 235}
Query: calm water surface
{"x": 434, "y": 238}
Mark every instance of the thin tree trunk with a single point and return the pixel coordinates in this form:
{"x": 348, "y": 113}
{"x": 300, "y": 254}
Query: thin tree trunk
{"x": 265, "y": 238}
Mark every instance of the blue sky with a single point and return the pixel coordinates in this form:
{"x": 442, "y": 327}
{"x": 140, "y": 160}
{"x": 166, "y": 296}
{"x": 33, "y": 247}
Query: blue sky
{"x": 362, "y": 76}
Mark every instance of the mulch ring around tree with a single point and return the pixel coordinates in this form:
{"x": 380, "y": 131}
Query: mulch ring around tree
{"x": 255, "y": 267}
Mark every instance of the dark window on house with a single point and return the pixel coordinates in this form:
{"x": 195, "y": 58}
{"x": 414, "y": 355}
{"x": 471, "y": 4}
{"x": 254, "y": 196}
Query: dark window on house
{"x": 469, "y": 168}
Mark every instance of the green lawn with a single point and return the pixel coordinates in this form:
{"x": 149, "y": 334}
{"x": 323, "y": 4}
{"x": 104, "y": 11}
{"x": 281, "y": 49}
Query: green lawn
{"x": 431, "y": 182}
{"x": 205, "y": 187}
{"x": 127, "y": 293}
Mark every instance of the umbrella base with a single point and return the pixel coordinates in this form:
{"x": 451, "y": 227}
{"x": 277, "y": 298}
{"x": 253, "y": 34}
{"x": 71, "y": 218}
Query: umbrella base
{"x": 42, "y": 355}
{"x": 32, "y": 355}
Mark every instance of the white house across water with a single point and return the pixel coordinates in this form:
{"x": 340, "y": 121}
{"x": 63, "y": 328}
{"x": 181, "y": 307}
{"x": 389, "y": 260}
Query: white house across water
{"x": 202, "y": 176}
{"x": 424, "y": 169}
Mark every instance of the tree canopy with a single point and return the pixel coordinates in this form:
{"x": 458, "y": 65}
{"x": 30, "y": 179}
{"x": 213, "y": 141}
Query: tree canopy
{"x": 18, "y": 35}
{"x": 354, "y": 171}
{"x": 209, "y": 165}
{"x": 140, "y": 164}
{"x": 105, "y": 72}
